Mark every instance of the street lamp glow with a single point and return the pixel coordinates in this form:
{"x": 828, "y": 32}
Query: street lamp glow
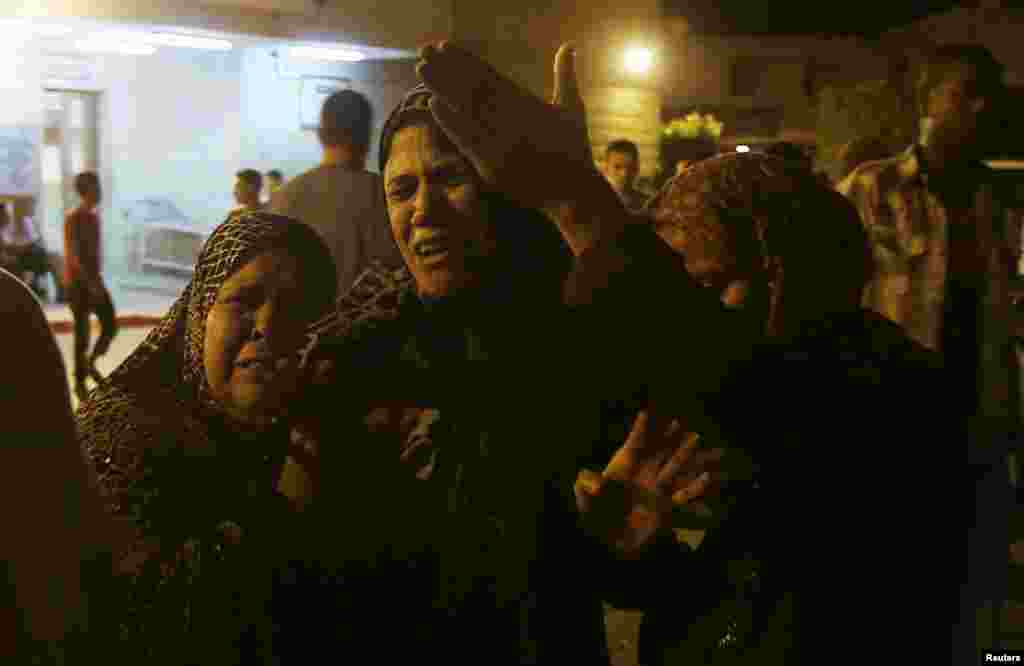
{"x": 742, "y": 149}
{"x": 639, "y": 60}
{"x": 328, "y": 54}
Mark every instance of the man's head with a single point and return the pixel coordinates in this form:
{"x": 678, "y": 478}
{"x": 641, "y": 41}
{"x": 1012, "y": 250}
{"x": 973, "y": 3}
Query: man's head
{"x": 621, "y": 164}
{"x": 346, "y": 121}
{"x": 959, "y": 91}
{"x": 275, "y": 179}
{"x": 87, "y": 185}
{"x": 248, "y": 185}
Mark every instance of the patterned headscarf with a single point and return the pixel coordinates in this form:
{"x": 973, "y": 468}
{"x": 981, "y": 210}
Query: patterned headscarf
{"x": 162, "y": 385}
{"x": 781, "y": 223}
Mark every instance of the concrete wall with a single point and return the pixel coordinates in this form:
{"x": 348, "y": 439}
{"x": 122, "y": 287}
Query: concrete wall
{"x": 998, "y": 29}
{"x": 702, "y": 70}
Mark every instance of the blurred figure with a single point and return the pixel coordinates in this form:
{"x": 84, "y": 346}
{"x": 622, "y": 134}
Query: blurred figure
{"x": 792, "y": 153}
{"x": 947, "y": 246}
{"x": 87, "y": 293}
{"x": 682, "y": 165}
{"x": 53, "y": 551}
{"x": 859, "y": 151}
{"x": 275, "y": 181}
{"x": 621, "y": 166}
{"x": 340, "y": 199}
{"x": 25, "y": 255}
{"x": 248, "y": 186}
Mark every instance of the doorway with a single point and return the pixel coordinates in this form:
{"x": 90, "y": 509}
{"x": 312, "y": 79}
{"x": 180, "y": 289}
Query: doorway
{"x": 70, "y": 146}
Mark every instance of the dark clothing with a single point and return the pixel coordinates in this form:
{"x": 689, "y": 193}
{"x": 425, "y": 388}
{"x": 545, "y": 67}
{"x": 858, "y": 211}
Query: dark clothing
{"x": 83, "y": 305}
{"x": 517, "y": 579}
{"x": 844, "y": 511}
{"x": 82, "y": 250}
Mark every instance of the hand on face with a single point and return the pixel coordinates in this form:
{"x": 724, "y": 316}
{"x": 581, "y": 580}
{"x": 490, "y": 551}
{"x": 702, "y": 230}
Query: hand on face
{"x": 253, "y": 334}
{"x": 658, "y": 469}
{"x": 530, "y": 150}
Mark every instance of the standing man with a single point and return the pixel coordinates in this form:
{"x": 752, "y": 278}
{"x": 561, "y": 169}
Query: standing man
{"x": 946, "y": 248}
{"x": 621, "y": 165}
{"x": 248, "y": 186}
{"x": 86, "y": 292}
{"x": 340, "y": 199}
{"x": 275, "y": 181}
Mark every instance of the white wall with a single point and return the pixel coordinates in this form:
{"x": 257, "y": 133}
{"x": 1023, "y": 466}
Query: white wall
{"x": 272, "y": 136}
{"x": 170, "y": 129}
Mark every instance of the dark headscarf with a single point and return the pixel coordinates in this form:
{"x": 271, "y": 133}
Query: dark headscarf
{"x": 524, "y": 236}
{"x": 155, "y": 435}
{"x": 803, "y": 239}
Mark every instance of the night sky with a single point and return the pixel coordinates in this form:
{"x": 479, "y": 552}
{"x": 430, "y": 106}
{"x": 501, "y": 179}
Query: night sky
{"x": 836, "y": 17}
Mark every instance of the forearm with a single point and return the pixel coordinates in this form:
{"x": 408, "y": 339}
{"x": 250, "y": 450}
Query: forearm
{"x": 590, "y": 213}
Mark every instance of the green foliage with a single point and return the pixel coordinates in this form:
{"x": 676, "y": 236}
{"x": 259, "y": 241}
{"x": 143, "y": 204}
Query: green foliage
{"x": 693, "y": 126}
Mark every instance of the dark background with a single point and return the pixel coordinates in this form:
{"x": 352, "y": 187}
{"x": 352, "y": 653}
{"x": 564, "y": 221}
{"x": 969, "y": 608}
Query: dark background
{"x": 836, "y": 17}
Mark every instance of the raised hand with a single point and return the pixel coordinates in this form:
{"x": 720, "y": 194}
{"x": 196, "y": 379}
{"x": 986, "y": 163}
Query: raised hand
{"x": 533, "y": 151}
{"x": 660, "y": 468}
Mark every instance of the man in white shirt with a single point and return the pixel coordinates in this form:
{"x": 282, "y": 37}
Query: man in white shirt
{"x": 340, "y": 199}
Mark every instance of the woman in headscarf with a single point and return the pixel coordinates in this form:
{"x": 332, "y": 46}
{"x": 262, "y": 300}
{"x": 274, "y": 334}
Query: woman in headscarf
{"x": 485, "y": 328}
{"x": 784, "y": 572}
{"x": 189, "y": 436}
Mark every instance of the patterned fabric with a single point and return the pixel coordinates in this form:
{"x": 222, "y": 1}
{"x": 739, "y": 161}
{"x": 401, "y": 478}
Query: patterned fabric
{"x": 156, "y": 438}
{"x": 909, "y": 229}
{"x": 764, "y": 210}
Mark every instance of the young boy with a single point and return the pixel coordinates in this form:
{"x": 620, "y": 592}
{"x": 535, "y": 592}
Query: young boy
{"x": 86, "y": 292}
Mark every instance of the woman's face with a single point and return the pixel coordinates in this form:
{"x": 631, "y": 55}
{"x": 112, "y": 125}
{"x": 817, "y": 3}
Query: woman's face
{"x": 710, "y": 255}
{"x": 253, "y": 333}
{"x": 436, "y": 212}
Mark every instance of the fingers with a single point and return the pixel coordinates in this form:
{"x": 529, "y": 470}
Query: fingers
{"x": 678, "y": 460}
{"x": 567, "y": 94}
{"x": 692, "y": 490}
{"x": 465, "y": 81}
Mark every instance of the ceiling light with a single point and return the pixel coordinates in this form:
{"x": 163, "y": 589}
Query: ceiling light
{"x": 328, "y": 54}
{"x": 187, "y": 41}
{"x": 114, "y": 46}
{"x": 639, "y": 60}
{"x": 22, "y": 30}
{"x": 742, "y": 149}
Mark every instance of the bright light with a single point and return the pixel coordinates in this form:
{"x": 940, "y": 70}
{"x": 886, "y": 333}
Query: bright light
{"x": 151, "y": 39}
{"x": 742, "y": 149}
{"x": 24, "y": 30}
{"x": 187, "y": 41}
{"x": 639, "y": 60}
{"x": 108, "y": 45}
{"x": 321, "y": 53}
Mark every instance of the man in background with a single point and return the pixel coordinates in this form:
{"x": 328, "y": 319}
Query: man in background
{"x": 340, "y": 199}
{"x": 248, "y": 186}
{"x": 947, "y": 246}
{"x": 621, "y": 166}
{"x": 87, "y": 294}
{"x": 274, "y": 181}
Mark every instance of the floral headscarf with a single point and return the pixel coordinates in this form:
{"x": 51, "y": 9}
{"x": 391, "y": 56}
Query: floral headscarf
{"x": 783, "y": 224}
